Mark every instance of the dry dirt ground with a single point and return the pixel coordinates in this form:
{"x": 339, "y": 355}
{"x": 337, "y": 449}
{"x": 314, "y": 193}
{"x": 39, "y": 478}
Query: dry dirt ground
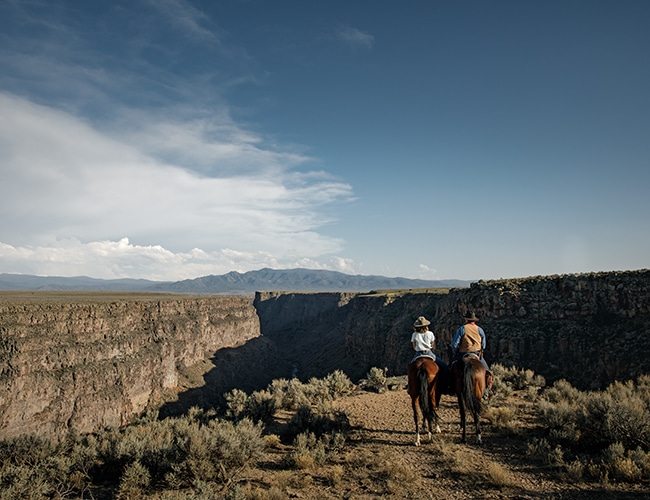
{"x": 380, "y": 460}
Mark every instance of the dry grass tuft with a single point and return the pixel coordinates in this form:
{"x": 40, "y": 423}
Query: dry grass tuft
{"x": 271, "y": 441}
{"x": 497, "y": 475}
{"x": 334, "y": 475}
{"x": 399, "y": 477}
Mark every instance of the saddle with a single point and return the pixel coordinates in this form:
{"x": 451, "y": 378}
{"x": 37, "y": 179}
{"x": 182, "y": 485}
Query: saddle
{"x": 418, "y": 356}
{"x": 489, "y": 377}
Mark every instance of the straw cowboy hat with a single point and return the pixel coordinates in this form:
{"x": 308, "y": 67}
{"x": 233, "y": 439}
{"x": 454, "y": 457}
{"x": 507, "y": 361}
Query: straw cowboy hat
{"x": 470, "y": 316}
{"x": 421, "y": 321}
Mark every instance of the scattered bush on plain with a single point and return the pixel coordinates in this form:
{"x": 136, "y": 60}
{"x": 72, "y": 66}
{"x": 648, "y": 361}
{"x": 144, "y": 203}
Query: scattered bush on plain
{"x": 613, "y": 424}
{"x": 376, "y": 380}
{"x": 193, "y": 456}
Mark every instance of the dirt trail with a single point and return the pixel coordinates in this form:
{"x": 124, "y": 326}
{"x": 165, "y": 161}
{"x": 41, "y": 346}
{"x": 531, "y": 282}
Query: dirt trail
{"x": 380, "y": 459}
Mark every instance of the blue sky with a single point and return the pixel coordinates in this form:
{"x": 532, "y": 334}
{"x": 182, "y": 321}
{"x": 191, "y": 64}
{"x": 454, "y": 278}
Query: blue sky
{"x": 170, "y": 139}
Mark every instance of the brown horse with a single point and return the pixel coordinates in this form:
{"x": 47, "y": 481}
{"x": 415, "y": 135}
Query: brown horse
{"x": 425, "y": 393}
{"x": 468, "y": 379}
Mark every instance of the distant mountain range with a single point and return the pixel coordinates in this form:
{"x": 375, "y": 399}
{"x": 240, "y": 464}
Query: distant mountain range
{"x": 308, "y": 280}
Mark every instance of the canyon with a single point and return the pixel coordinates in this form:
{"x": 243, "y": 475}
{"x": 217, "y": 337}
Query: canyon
{"x": 82, "y": 361}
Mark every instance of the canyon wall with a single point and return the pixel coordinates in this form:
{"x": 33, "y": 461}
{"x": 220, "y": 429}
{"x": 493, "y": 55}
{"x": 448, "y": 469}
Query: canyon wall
{"x": 591, "y": 329}
{"x": 88, "y": 360}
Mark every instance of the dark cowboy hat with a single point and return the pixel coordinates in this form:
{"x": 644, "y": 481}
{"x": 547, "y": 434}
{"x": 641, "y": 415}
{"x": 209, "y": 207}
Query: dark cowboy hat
{"x": 470, "y": 316}
{"x": 421, "y": 321}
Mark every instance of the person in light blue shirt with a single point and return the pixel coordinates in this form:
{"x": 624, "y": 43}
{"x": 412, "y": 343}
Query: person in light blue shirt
{"x": 470, "y": 339}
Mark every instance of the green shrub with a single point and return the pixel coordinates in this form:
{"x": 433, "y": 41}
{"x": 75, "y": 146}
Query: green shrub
{"x": 317, "y": 391}
{"x": 260, "y": 406}
{"x": 501, "y": 390}
{"x": 310, "y": 450}
{"x": 35, "y": 467}
{"x": 542, "y": 450}
{"x": 339, "y": 384}
{"x": 376, "y": 379}
{"x": 626, "y": 465}
{"x": 152, "y": 444}
{"x": 517, "y": 378}
{"x": 318, "y": 421}
{"x": 563, "y": 391}
{"x": 22, "y": 481}
{"x": 26, "y": 449}
{"x": 296, "y": 395}
{"x": 235, "y": 403}
{"x": 214, "y": 452}
{"x": 614, "y": 422}
{"x": 135, "y": 480}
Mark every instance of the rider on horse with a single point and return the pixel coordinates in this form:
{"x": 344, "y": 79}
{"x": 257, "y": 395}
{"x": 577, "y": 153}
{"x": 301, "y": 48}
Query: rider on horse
{"x": 423, "y": 341}
{"x": 470, "y": 339}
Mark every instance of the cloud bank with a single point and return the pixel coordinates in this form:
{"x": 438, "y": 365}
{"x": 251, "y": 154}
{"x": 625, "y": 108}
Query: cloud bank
{"x": 165, "y": 197}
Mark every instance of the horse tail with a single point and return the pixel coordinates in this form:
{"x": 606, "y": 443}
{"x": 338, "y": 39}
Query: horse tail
{"x": 472, "y": 402}
{"x": 423, "y": 391}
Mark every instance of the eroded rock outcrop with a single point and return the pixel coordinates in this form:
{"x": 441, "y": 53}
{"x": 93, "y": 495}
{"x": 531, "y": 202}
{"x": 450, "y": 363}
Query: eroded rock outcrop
{"x": 86, "y": 361}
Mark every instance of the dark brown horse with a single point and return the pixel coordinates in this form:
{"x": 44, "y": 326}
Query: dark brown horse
{"x": 425, "y": 394}
{"x": 468, "y": 379}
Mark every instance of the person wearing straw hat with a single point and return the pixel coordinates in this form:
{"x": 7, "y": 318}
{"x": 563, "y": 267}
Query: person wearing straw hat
{"x": 470, "y": 339}
{"x": 424, "y": 341}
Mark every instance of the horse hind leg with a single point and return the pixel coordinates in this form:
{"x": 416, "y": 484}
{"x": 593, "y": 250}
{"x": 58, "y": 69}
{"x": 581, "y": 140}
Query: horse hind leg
{"x": 434, "y": 425}
{"x": 414, "y": 403}
{"x": 477, "y": 424}
{"x": 435, "y": 401}
{"x": 463, "y": 420}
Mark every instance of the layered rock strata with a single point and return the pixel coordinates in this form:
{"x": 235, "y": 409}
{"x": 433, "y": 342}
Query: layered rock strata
{"x": 88, "y": 361}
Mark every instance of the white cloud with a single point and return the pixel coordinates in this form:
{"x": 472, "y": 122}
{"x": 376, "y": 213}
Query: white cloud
{"x": 355, "y": 38}
{"x": 186, "y": 18}
{"x": 70, "y": 195}
{"x": 206, "y": 143}
{"x": 121, "y": 259}
{"x": 426, "y": 272}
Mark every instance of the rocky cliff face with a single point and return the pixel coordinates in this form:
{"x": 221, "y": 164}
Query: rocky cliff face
{"x": 89, "y": 361}
{"x": 591, "y": 329}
